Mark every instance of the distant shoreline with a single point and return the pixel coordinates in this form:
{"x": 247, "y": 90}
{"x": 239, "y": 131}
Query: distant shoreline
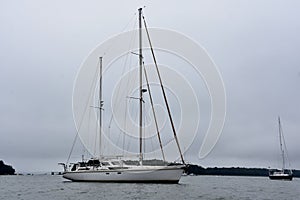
{"x": 231, "y": 171}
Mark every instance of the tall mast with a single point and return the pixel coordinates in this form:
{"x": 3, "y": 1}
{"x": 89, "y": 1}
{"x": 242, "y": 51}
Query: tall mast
{"x": 100, "y": 107}
{"x": 141, "y": 84}
{"x": 281, "y": 147}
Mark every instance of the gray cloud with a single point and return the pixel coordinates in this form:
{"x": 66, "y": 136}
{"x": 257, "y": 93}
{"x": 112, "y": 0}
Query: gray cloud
{"x": 255, "y": 45}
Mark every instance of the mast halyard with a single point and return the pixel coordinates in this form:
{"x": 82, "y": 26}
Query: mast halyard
{"x": 100, "y": 107}
{"x": 141, "y": 85}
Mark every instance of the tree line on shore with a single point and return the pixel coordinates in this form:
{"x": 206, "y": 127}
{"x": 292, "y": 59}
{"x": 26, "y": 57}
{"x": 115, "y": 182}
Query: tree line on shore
{"x": 6, "y": 169}
{"x": 230, "y": 171}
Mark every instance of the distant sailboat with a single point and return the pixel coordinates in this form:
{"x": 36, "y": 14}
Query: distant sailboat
{"x": 283, "y": 174}
{"x": 114, "y": 169}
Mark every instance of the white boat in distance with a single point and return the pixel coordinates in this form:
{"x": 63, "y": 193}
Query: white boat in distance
{"x": 114, "y": 169}
{"x": 283, "y": 174}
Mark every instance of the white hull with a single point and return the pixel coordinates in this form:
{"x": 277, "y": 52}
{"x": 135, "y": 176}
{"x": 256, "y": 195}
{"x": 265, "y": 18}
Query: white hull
{"x": 281, "y": 176}
{"x": 150, "y": 174}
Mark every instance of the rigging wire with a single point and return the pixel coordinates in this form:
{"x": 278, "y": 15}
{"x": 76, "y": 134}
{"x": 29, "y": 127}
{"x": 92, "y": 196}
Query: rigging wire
{"x": 122, "y": 30}
{"x": 89, "y": 131}
{"x": 96, "y": 132}
{"x": 125, "y": 119}
{"x": 126, "y": 66}
{"x": 81, "y": 120}
{"x": 164, "y": 94}
{"x": 123, "y": 71}
{"x": 153, "y": 112}
{"x": 285, "y": 148}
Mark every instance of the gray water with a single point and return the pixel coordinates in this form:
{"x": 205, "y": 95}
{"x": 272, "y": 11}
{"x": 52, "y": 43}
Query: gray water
{"x": 191, "y": 187}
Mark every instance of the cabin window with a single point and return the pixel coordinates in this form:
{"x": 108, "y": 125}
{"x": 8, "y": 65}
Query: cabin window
{"x": 105, "y": 163}
{"x": 107, "y": 173}
{"x": 82, "y": 164}
{"x": 74, "y": 167}
{"x": 115, "y": 163}
{"x": 119, "y": 173}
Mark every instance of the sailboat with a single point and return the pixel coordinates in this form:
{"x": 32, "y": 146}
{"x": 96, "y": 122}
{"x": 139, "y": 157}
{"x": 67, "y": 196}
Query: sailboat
{"x": 283, "y": 174}
{"x": 114, "y": 169}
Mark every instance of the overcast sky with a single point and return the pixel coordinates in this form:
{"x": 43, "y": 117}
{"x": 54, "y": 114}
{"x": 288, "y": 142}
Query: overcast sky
{"x": 255, "y": 45}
